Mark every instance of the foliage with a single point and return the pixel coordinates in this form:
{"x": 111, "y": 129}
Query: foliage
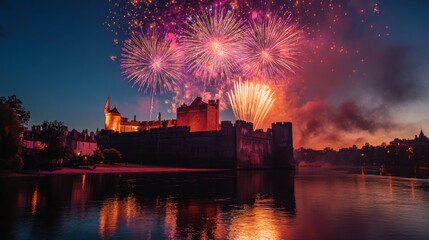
{"x": 10, "y": 138}
{"x": 405, "y": 154}
{"x": 97, "y": 156}
{"x": 54, "y": 135}
{"x": 16, "y": 104}
{"x": 112, "y": 155}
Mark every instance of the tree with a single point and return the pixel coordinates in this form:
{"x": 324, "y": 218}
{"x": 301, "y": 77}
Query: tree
{"x": 53, "y": 135}
{"x": 97, "y": 156}
{"x": 112, "y": 155}
{"x": 16, "y": 104}
{"x": 10, "y": 138}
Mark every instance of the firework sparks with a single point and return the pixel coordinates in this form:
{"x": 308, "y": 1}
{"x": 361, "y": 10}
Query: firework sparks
{"x": 128, "y": 16}
{"x": 151, "y": 62}
{"x": 271, "y": 48}
{"x": 251, "y": 101}
{"x": 212, "y": 43}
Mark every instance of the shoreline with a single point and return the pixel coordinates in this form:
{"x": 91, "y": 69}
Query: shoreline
{"x": 109, "y": 169}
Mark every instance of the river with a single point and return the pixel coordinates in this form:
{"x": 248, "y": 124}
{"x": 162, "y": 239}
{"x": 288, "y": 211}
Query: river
{"x": 313, "y": 203}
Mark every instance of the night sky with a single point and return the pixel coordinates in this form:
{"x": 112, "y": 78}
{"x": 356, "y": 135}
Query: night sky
{"x": 55, "y": 56}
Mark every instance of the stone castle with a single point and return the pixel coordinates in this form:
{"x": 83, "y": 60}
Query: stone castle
{"x": 196, "y": 139}
{"x": 199, "y": 116}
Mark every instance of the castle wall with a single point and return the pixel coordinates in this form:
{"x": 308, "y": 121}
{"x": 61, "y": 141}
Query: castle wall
{"x": 234, "y": 146}
{"x": 174, "y": 146}
{"x": 129, "y": 128}
{"x": 195, "y": 118}
{"x": 282, "y": 145}
{"x": 212, "y": 118}
{"x": 199, "y": 116}
{"x": 253, "y": 148}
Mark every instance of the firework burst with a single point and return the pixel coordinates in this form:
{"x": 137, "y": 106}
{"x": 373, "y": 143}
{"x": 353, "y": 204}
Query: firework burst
{"x": 152, "y": 62}
{"x": 212, "y": 42}
{"x": 271, "y": 48}
{"x": 251, "y": 101}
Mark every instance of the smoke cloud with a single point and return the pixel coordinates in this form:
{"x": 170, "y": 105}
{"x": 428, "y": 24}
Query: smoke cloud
{"x": 343, "y": 99}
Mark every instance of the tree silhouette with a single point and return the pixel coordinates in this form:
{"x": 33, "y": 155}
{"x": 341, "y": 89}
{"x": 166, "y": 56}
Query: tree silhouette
{"x": 16, "y": 104}
{"x": 54, "y": 135}
{"x": 10, "y": 138}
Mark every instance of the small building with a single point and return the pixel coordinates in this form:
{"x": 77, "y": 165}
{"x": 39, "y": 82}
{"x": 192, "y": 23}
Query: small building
{"x": 81, "y": 143}
{"x": 31, "y": 139}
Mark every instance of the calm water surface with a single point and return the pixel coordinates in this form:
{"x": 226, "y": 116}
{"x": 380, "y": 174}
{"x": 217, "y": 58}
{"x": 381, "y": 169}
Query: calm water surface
{"x": 310, "y": 204}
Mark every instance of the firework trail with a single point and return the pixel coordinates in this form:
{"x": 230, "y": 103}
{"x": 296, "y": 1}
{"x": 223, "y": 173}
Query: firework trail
{"x": 152, "y": 62}
{"x": 212, "y": 43}
{"x": 251, "y": 101}
{"x": 271, "y": 48}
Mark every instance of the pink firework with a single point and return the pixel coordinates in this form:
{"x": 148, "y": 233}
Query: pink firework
{"x": 152, "y": 62}
{"x": 271, "y": 48}
{"x": 212, "y": 44}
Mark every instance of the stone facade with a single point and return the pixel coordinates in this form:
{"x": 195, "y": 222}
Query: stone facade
{"x": 199, "y": 116}
{"x": 233, "y": 146}
{"x": 81, "y": 143}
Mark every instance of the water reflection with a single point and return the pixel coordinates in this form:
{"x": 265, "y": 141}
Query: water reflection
{"x": 34, "y": 201}
{"x": 413, "y": 193}
{"x": 220, "y": 205}
{"x": 203, "y": 207}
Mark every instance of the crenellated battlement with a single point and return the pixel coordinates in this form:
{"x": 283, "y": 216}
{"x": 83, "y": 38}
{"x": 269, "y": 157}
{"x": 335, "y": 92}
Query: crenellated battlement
{"x": 197, "y": 139}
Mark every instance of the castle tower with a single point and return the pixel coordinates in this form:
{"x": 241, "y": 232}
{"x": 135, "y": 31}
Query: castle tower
{"x": 107, "y": 106}
{"x": 112, "y": 117}
{"x": 200, "y": 116}
{"x": 282, "y": 145}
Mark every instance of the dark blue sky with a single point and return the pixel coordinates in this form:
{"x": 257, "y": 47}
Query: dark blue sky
{"x": 54, "y": 55}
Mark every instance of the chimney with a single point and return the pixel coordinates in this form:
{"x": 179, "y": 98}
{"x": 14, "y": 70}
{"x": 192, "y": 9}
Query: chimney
{"x": 135, "y": 118}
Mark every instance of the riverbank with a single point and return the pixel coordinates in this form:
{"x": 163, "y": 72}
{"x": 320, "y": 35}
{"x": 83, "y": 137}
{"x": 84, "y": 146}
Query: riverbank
{"x": 111, "y": 168}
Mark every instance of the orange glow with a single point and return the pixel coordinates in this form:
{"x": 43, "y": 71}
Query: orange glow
{"x": 83, "y": 181}
{"x": 257, "y": 223}
{"x": 115, "y": 210}
{"x": 34, "y": 200}
{"x": 413, "y": 193}
{"x": 113, "y": 122}
{"x": 109, "y": 214}
{"x": 131, "y": 209}
{"x": 170, "y": 219}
